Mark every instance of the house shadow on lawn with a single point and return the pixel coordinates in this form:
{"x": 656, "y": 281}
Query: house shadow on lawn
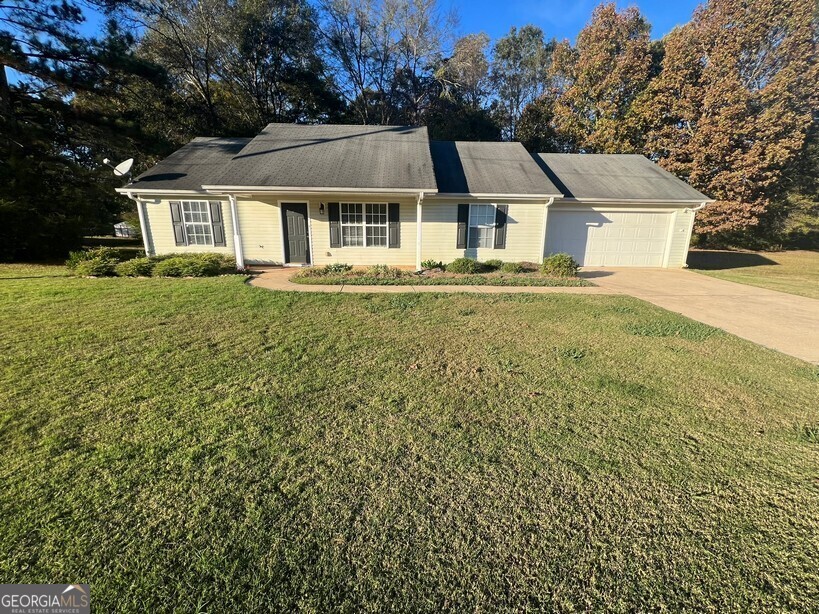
{"x": 715, "y": 260}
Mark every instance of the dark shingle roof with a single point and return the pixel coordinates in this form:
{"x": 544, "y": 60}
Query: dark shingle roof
{"x": 465, "y": 167}
{"x": 192, "y": 165}
{"x": 333, "y": 156}
{"x": 615, "y": 176}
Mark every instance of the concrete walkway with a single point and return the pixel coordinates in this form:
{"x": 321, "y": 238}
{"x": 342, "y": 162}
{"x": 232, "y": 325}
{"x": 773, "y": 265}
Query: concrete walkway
{"x": 780, "y": 321}
{"x": 783, "y": 322}
{"x": 279, "y": 279}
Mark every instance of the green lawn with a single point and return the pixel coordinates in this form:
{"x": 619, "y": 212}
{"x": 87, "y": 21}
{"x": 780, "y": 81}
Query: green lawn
{"x": 203, "y": 445}
{"x": 794, "y": 272}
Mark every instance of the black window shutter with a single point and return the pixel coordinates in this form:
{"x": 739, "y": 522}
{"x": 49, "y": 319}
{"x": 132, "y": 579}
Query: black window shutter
{"x": 334, "y": 215}
{"x": 394, "y": 225}
{"x": 176, "y": 220}
{"x": 500, "y": 226}
{"x": 463, "y": 222}
{"x": 217, "y": 224}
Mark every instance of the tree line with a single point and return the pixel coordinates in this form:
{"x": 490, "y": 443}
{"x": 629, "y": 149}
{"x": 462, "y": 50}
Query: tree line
{"x": 728, "y": 101}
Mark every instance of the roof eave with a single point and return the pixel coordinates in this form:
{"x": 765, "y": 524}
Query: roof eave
{"x": 498, "y": 196}
{"x": 639, "y": 201}
{"x": 134, "y": 189}
{"x": 221, "y": 189}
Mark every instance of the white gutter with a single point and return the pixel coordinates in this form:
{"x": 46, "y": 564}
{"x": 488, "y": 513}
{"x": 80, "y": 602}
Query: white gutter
{"x": 632, "y": 201}
{"x": 418, "y": 228}
{"x": 142, "y": 222}
{"x": 699, "y": 207}
{"x": 307, "y": 190}
{"x": 495, "y": 196}
{"x": 131, "y": 190}
{"x": 543, "y": 230}
{"x": 237, "y": 236}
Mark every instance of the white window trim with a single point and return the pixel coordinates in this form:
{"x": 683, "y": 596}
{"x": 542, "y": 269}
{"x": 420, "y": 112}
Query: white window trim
{"x": 182, "y": 204}
{"x": 469, "y": 225}
{"x": 363, "y": 225}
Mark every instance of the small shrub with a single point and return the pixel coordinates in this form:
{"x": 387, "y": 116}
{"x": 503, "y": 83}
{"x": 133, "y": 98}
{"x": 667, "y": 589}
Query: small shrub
{"x": 512, "y": 267}
{"x": 310, "y": 272}
{"x": 136, "y": 267}
{"x": 100, "y": 266}
{"x": 99, "y": 254}
{"x": 560, "y": 265}
{"x": 193, "y": 265}
{"x": 382, "y": 271}
{"x": 74, "y": 258}
{"x": 432, "y": 264}
{"x": 463, "y": 265}
{"x": 169, "y": 267}
{"x": 494, "y": 264}
{"x": 337, "y": 268}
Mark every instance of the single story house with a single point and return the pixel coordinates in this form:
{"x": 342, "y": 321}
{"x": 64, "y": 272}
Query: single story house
{"x": 362, "y": 195}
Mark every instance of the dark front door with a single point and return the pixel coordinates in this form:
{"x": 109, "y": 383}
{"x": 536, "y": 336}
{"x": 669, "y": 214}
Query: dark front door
{"x": 296, "y": 242}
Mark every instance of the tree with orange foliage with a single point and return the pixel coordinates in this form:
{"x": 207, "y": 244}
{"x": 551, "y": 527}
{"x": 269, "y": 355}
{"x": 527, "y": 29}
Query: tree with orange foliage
{"x": 732, "y": 104}
{"x": 595, "y": 83}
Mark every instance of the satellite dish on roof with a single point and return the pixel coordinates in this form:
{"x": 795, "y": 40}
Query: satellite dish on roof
{"x": 121, "y": 169}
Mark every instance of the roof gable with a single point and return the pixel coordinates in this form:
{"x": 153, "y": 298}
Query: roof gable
{"x": 615, "y": 177}
{"x": 332, "y": 156}
{"x": 192, "y": 165}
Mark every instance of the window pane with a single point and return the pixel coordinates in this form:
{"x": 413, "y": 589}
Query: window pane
{"x": 481, "y": 225}
{"x": 351, "y": 213}
{"x": 352, "y": 236}
{"x": 377, "y": 236}
{"x": 196, "y": 216}
{"x": 376, "y": 213}
{"x": 480, "y": 236}
{"x": 364, "y": 224}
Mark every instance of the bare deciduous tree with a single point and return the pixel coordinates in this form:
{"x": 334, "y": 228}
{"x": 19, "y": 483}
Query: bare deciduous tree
{"x": 383, "y": 52}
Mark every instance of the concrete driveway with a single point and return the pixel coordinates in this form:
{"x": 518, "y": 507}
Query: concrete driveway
{"x": 776, "y": 320}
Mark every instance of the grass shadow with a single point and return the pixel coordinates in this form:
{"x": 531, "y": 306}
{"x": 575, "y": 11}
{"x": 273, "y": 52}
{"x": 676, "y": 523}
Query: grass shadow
{"x": 715, "y": 260}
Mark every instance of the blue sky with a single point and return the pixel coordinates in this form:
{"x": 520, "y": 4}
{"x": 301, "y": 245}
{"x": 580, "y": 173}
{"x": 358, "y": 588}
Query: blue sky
{"x": 561, "y": 18}
{"x": 558, "y": 18}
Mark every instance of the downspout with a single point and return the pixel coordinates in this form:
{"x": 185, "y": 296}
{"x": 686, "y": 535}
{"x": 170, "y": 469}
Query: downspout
{"x": 142, "y": 222}
{"x": 237, "y": 236}
{"x": 543, "y": 230}
{"x": 693, "y": 210}
{"x": 418, "y": 235}
{"x": 697, "y": 208}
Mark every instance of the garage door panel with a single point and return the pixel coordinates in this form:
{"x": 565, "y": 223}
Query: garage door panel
{"x": 618, "y": 238}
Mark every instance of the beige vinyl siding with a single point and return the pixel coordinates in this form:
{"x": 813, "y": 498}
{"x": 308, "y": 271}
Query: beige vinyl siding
{"x": 396, "y": 256}
{"x": 680, "y": 236}
{"x": 260, "y": 224}
{"x": 524, "y": 234}
{"x": 160, "y": 228}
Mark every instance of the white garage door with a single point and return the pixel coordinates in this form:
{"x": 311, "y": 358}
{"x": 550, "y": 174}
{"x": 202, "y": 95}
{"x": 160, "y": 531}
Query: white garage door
{"x": 622, "y": 238}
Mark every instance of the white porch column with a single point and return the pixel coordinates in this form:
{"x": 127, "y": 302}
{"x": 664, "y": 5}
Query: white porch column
{"x": 237, "y": 236}
{"x": 545, "y": 229}
{"x": 418, "y": 231}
